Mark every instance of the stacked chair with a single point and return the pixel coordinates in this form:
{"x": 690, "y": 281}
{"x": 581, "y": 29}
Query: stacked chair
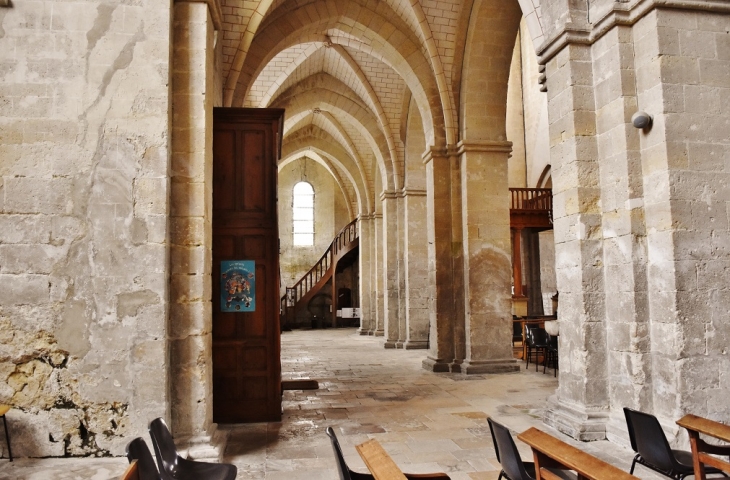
{"x": 171, "y": 465}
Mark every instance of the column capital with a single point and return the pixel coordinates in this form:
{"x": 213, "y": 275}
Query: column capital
{"x": 483, "y": 146}
{"x": 411, "y": 192}
{"x": 438, "y": 152}
{"x": 388, "y": 194}
{"x": 621, "y": 13}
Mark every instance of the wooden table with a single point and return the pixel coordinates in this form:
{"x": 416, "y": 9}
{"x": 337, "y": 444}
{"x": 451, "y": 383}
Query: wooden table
{"x": 700, "y": 449}
{"x": 378, "y": 461}
{"x": 549, "y": 452}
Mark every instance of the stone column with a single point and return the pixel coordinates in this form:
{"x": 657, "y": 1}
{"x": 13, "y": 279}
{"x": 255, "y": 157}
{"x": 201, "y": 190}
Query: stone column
{"x": 366, "y": 284}
{"x": 487, "y": 257}
{"x": 440, "y": 262}
{"x": 402, "y": 328}
{"x": 191, "y": 234}
{"x": 580, "y": 407}
{"x": 623, "y": 230}
{"x": 378, "y": 276}
{"x": 390, "y": 267}
{"x": 415, "y": 263}
{"x": 682, "y": 64}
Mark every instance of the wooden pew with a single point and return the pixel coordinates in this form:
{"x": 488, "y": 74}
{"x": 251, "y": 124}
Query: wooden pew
{"x": 549, "y": 452}
{"x": 384, "y": 468}
{"x": 701, "y": 450}
{"x": 132, "y": 472}
{"x": 378, "y": 461}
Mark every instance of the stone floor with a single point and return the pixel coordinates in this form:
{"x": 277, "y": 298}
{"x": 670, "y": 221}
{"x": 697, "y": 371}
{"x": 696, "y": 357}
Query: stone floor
{"x": 427, "y": 422}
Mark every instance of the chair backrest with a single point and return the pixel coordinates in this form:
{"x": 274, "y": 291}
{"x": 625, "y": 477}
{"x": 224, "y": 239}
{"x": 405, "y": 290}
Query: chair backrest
{"x": 648, "y": 439}
{"x": 341, "y": 464}
{"x": 138, "y": 451}
{"x": 167, "y": 457}
{"x": 507, "y": 453}
{"x": 539, "y": 337}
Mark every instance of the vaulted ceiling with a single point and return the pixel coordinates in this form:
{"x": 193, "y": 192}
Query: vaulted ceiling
{"x": 347, "y": 72}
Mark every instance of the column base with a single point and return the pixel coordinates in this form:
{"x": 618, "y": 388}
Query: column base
{"x": 363, "y": 331}
{"x": 207, "y": 447}
{"x": 415, "y": 344}
{"x": 507, "y": 365}
{"x": 379, "y": 333}
{"x": 390, "y": 344}
{"x": 579, "y": 423}
{"x": 436, "y": 365}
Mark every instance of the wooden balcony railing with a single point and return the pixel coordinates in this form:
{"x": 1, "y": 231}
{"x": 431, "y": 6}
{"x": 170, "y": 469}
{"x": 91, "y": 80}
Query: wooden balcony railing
{"x": 531, "y": 199}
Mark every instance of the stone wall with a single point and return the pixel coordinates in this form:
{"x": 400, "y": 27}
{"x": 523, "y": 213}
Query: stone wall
{"x": 83, "y": 223}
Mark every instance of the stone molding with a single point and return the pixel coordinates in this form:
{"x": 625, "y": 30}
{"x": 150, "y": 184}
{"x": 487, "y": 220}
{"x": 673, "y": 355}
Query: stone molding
{"x": 483, "y": 146}
{"x": 578, "y": 422}
{"x": 437, "y": 152}
{"x": 388, "y": 194}
{"x": 376, "y": 216}
{"x": 622, "y": 14}
{"x": 214, "y": 7}
{"x": 475, "y": 367}
{"x": 411, "y": 192}
{"x": 415, "y": 345}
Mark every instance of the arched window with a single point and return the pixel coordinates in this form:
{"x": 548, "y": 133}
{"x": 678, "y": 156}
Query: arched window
{"x": 303, "y": 214}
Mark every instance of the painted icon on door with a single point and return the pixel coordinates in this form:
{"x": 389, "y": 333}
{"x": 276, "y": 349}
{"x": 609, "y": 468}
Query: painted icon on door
{"x": 238, "y": 286}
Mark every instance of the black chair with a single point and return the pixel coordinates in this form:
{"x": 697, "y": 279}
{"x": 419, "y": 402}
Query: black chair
{"x": 146, "y": 468}
{"x": 516, "y": 330}
{"x": 653, "y": 450}
{"x": 174, "y": 467}
{"x": 551, "y": 354}
{"x": 537, "y": 340}
{"x": 347, "y": 474}
{"x": 513, "y": 468}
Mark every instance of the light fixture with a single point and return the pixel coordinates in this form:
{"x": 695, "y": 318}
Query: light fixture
{"x": 641, "y": 120}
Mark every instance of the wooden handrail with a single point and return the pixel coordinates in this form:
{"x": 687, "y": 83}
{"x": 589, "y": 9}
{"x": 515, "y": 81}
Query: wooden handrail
{"x": 531, "y": 199}
{"x": 328, "y": 260}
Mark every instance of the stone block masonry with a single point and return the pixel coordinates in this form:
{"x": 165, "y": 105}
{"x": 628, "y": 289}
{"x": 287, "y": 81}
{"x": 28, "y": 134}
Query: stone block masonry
{"x": 83, "y": 207}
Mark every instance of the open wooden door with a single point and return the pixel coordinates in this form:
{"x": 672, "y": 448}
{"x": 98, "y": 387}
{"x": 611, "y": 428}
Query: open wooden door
{"x": 246, "y": 335}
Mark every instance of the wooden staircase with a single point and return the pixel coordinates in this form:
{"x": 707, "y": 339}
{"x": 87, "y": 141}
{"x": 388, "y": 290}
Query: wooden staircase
{"x": 312, "y": 282}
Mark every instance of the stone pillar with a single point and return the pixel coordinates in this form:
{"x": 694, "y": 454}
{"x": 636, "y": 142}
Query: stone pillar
{"x": 440, "y": 262}
{"x": 366, "y": 285}
{"x": 390, "y": 267}
{"x": 623, "y": 230}
{"x": 415, "y": 262}
{"x": 682, "y": 63}
{"x": 191, "y": 234}
{"x": 487, "y": 258}
{"x": 378, "y": 276}
{"x": 580, "y": 407}
{"x": 402, "y": 327}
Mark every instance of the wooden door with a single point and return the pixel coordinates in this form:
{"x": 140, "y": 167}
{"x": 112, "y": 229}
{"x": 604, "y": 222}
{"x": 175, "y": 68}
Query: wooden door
{"x": 246, "y": 336}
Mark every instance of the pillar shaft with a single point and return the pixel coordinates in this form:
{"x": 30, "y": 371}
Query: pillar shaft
{"x": 440, "y": 262}
{"x": 366, "y": 284}
{"x": 487, "y": 257}
{"x": 390, "y": 268}
{"x": 415, "y": 260}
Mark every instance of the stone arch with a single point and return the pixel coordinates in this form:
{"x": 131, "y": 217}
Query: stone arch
{"x": 391, "y": 43}
{"x": 490, "y": 41}
{"x": 327, "y": 164}
{"x": 314, "y": 139}
{"x": 354, "y": 113}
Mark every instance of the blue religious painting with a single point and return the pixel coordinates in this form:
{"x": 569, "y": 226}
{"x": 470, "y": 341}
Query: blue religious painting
{"x": 238, "y": 286}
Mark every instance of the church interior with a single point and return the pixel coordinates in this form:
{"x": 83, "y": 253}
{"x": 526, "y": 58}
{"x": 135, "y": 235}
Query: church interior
{"x": 201, "y": 200}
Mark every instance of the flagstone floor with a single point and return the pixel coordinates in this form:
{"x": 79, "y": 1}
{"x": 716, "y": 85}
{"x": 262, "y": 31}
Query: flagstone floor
{"x": 427, "y": 422}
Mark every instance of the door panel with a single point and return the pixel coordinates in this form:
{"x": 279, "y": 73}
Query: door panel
{"x": 246, "y": 344}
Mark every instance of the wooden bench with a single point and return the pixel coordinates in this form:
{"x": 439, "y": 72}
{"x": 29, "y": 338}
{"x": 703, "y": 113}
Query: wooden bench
{"x": 132, "y": 472}
{"x": 549, "y": 452}
{"x": 384, "y": 468}
{"x": 701, "y": 450}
